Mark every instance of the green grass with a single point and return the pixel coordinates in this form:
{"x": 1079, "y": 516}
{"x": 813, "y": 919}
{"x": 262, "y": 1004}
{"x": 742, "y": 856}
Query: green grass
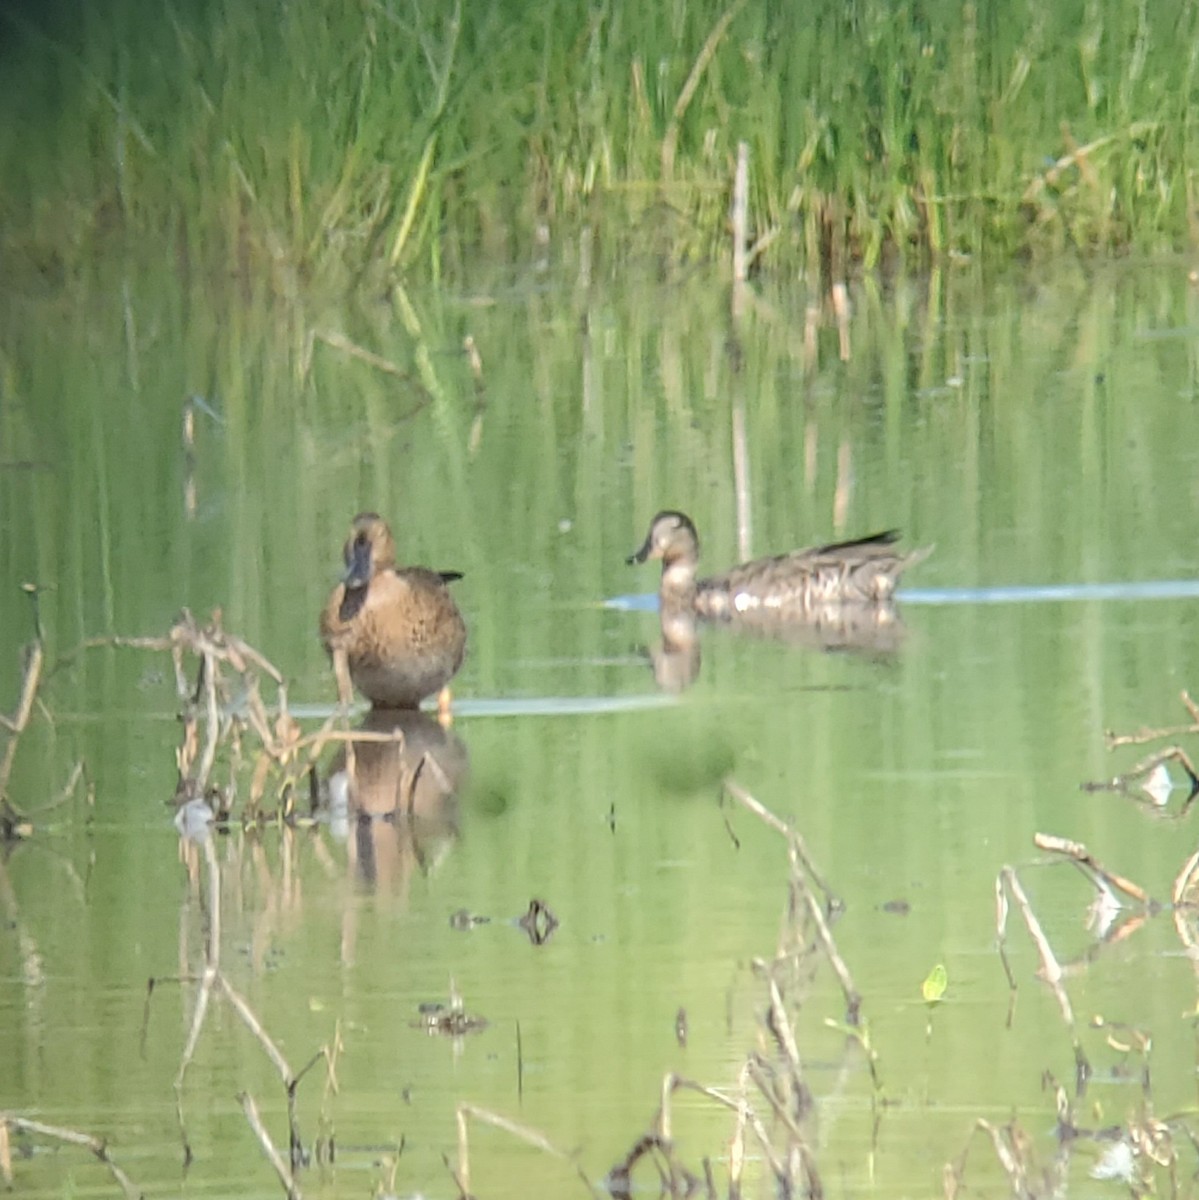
{"x": 301, "y": 144}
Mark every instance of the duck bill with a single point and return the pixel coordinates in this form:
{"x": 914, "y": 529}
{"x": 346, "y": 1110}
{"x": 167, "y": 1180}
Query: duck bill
{"x": 640, "y": 556}
{"x": 358, "y": 569}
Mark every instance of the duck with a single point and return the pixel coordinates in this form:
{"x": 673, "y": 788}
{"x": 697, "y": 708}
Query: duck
{"x": 802, "y": 585}
{"x": 393, "y": 632}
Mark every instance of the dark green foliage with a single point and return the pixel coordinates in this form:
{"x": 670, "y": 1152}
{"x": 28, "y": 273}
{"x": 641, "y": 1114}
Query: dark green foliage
{"x": 337, "y": 142}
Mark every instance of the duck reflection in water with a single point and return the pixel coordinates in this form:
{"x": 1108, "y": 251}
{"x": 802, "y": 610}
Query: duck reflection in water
{"x": 398, "y": 806}
{"x": 393, "y": 632}
{"x": 834, "y": 597}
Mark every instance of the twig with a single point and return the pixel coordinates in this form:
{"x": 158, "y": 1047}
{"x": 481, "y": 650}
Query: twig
{"x": 524, "y": 1132}
{"x": 269, "y": 1148}
{"x": 1078, "y": 853}
{"x": 741, "y": 215}
{"x": 801, "y": 869}
{"x": 255, "y": 1026}
{"x": 1051, "y": 970}
{"x": 16, "y": 724}
{"x": 73, "y": 1137}
{"x": 340, "y": 342}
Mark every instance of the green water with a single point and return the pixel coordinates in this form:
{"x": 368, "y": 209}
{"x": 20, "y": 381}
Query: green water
{"x": 1035, "y": 431}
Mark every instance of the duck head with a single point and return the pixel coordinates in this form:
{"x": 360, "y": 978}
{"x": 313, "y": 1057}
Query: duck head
{"x": 672, "y": 538}
{"x": 369, "y": 549}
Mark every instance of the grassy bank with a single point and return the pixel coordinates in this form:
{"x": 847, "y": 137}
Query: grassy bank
{"x": 352, "y": 140}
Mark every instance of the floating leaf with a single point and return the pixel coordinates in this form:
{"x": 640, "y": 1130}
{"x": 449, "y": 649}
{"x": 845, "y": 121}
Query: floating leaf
{"x": 933, "y": 988}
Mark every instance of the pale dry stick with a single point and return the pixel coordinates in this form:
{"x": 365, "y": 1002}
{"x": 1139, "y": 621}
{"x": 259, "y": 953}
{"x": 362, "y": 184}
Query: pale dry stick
{"x": 1051, "y": 969}
{"x": 801, "y": 869}
{"x": 17, "y": 826}
{"x": 524, "y": 1132}
{"x": 840, "y": 295}
{"x": 707, "y": 51}
{"x": 212, "y": 966}
{"x": 5, "y": 1156}
{"x": 255, "y": 1026}
{"x": 325, "y": 735}
{"x": 242, "y": 656}
{"x": 1153, "y": 735}
{"x": 268, "y": 1146}
{"x": 765, "y": 1085}
{"x": 315, "y": 743}
{"x": 339, "y": 341}
{"x": 755, "y": 806}
{"x": 673, "y": 1083}
{"x": 843, "y": 489}
{"x": 190, "y": 495}
{"x": 811, "y": 355}
{"x": 1184, "y": 879}
{"x": 780, "y": 1023}
{"x": 1077, "y": 853}
{"x": 1079, "y": 154}
{"x": 737, "y": 1147}
{"x": 853, "y": 998}
{"x": 33, "y": 966}
{"x": 78, "y": 772}
{"x": 1183, "y": 882}
{"x": 73, "y": 1137}
{"x": 741, "y": 478}
{"x": 332, "y": 1053}
{"x": 29, "y": 684}
{"x": 16, "y": 724}
{"x": 1014, "y": 1166}
{"x": 213, "y": 639}
{"x": 761, "y": 245}
{"x": 475, "y": 360}
{"x": 799, "y": 1144}
{"x": 212, "y": 720}
{"x": 740, "y": 222}
{"x": 99, "y": 643}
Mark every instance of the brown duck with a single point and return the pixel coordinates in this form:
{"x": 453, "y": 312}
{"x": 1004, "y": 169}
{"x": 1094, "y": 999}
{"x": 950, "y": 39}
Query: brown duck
{"x": 801, "y": 585}
{"x": 394, "y": 632}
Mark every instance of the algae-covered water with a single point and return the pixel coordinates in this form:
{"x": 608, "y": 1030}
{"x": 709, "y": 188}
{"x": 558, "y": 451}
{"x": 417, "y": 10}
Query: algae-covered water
{"x": 1036, "y": 432}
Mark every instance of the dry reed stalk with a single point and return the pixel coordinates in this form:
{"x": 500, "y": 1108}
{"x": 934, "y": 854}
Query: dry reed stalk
{"x": 269, "y": 1148}
{"x": 525, "y": 1133}
{"x": 1077, "y": 853}
{"x": 741, "y": 478}
{"x": 706, "y": 53}
{"x": 840, "y": 298}
{"x": 1152, "y": 735}
{"x": 740, "y": 220}
{"x": 73, "y": 1137}
{"x": 1051, "y": 970}
{"x": 213, "y": 978}
{"x": 338, "y": 341}
{"x": 16, "y": 724}
{"x": 801, "y": 870}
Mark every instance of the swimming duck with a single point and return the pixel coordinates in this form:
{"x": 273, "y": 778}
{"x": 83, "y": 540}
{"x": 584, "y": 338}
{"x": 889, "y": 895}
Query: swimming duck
{"x": 802, "y": 584}
{"x": 395, "y": 632}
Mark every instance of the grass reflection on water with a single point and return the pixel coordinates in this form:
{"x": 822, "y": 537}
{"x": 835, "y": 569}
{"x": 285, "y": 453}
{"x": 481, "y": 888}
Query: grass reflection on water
{"x": 914, "y": 777}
